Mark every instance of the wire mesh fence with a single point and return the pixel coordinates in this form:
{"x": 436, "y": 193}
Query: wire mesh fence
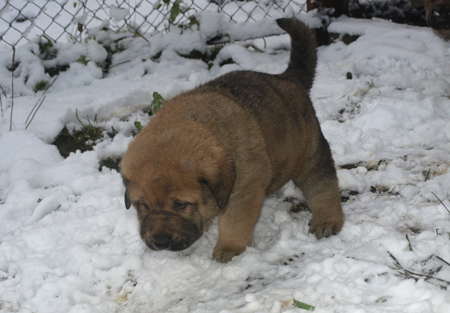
{"x": 22, "y": 20}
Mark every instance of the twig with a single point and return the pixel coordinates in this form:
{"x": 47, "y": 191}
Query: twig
{"x": 441, "y": 202}
{"x": 397, "y": 263}
{"x": 140, "y": 35}
{"x": 35, "y": 112}
{"x": 12, "y": 87}
{"x": 117, "y": 65}
{"x": 40, "y": 103}
{"x": 254, "y": 47}
{"x": 416, "y": 276}
{"x": 1, "y": 102}
{"x": 441, "y": 259}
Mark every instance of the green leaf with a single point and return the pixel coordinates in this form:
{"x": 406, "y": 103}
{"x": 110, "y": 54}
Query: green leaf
{"x": 138, "y": 125}
{"x": 157, "y": 102}
{"x": 175, "y": 11}
{"x": 303, "y": 306}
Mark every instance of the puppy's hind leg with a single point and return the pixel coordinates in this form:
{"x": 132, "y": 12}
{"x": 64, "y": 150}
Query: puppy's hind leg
{"x": 319, "y": 184}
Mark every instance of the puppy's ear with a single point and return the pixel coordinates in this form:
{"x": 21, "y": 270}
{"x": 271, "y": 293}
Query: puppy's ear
{"x": 127, "y": 197}
{"x": 219, "y": 178}
{"x": 127, "y": 200}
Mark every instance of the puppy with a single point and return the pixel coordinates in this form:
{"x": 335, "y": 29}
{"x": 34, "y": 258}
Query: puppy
{"x": 438, "y": 16}
{"x": 218, "y": 150}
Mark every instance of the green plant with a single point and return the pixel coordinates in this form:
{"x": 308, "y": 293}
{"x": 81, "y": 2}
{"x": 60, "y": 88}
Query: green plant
{"x": 174, "y": 11}
{"x": 110, "y": 163}
{"x": 157, "y": 102}
{"x": 91, "y": 130}
{"x": 82, "y": 59}
{"x": 82, "y": 139}
{"x": 383, "y": 299}
{"x": 177, "y": 9}
{"x": 111, "y": 50}
{"x": 40, "y": 86}
{"x": 46, "y": 48}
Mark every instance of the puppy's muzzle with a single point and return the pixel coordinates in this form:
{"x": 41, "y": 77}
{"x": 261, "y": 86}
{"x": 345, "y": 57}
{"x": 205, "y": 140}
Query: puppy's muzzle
{"x": 161, "y": 242}
{"x": 174, "y": 234}
{"x": 165, "y": 242}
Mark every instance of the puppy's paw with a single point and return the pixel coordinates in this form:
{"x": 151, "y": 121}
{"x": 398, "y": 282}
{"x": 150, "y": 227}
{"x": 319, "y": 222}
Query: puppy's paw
{"x": 326, "y": 226}
{"x": 225, "y": 254}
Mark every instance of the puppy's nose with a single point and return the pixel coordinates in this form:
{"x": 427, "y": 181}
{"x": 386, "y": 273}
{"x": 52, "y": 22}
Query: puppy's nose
{"x": 161, "y": 242}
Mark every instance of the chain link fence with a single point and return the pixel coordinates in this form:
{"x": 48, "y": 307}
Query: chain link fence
{"x": 22, "y": 20}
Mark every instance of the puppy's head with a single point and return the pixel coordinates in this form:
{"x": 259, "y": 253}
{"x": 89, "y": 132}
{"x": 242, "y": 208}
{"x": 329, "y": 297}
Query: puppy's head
{"x": 437, "y": 15}
{"x": 178, "y": 184}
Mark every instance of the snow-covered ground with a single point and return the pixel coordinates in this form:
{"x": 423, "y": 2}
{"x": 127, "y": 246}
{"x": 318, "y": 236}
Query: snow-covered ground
{"x": 67, "y": 244}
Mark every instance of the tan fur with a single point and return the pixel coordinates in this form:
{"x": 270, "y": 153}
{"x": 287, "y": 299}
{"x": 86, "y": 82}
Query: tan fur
{"x": 218, "y": 150}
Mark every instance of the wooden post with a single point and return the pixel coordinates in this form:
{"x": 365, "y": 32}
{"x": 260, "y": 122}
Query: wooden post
{"x": 340, "y": 6}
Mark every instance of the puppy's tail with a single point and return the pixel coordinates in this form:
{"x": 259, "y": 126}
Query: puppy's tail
{"x": 302, "y": 65}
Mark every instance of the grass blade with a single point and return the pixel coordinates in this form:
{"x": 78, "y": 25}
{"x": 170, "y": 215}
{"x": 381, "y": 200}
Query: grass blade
{"x": 304, "y": 306}
{"x": 428, "y": 174}
{"x": 409, "y": 243}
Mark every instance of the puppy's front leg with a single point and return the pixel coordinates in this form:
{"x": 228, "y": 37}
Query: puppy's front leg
{"x": 236, "y": 225}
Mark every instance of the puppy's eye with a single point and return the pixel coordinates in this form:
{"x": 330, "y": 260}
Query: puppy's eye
{"x": 178, "y": 205}
{"x": 142, "y": 207}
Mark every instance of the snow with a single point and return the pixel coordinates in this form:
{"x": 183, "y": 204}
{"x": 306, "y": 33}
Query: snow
{"x": 67, "y": 244}
{"x": 117, "y": 13}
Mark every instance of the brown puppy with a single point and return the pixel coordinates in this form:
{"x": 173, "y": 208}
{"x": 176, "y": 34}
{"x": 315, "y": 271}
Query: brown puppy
{"x": 219, "y": 149}
{"x": 438, "y": 16}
